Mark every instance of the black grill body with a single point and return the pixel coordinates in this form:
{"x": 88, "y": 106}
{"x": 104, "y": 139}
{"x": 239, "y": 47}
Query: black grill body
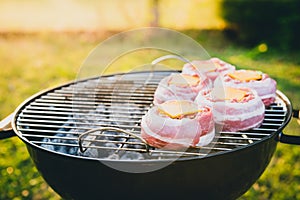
{"x": 224, "y": 170}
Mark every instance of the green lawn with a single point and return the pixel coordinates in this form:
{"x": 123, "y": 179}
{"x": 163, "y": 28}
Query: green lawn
{"x": 32, "y": 62}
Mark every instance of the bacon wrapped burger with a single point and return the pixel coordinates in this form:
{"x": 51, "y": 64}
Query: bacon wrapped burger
{"x": 236, "y": 109}
{"x": 178, "y": 124}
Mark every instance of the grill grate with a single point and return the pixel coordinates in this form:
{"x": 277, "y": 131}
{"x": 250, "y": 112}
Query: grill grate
{"x": 55, "y": 119}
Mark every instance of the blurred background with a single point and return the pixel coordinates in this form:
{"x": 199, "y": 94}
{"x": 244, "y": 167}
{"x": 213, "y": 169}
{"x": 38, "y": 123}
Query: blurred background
{"x": 43, "y": 43}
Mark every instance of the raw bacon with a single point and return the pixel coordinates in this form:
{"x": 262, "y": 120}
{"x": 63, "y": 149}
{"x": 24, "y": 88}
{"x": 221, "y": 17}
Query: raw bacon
{"x": 179, "y": 87}
{"x": 235, "y": 109}
{"x": 176, "y": 132}
{"x": 211, "y": 68}
{"x": 263, "y": 84}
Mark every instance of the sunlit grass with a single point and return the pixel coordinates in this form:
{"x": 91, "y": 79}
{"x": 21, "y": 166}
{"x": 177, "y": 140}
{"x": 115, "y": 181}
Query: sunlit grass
{"x": 33, "y": 62}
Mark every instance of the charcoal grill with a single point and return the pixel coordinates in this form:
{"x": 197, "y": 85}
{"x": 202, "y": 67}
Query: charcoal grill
{"x": 61, "y": 124}
{"x": 47, "y": 115}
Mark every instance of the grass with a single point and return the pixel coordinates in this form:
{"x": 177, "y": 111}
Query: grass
{"x": 32, "y": 62}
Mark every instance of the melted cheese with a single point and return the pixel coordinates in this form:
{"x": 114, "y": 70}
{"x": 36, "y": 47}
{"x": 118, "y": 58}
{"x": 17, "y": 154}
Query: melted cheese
{"x": 175, "y": 109}
{"x": 206, "y": 66}
{"x": 229, "y": 93}
{"x": 184, "y": 80}
{"x": 246, "y": 75}
{"x": 217, "y": 65}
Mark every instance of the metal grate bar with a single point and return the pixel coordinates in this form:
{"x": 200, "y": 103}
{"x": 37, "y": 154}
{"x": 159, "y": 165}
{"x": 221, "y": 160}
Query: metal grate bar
{"x": 110, "y": 95}
{"x": 77, "y": 103}
{"x": 70, "y": 111}
{"x": 221, "y": 136}
{"x": 39, "y": 121}
{"x": 105, "y": 91}
{"x": 43, "y": 126}
{"x": 95, "y": 100}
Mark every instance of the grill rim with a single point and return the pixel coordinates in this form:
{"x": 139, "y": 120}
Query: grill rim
{"x": 22, "y": 106}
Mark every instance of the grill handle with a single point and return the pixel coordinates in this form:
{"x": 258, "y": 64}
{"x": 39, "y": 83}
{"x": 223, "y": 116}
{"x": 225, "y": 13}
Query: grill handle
{"x": 101, "y": 129}
{"x": 166, "y": 57}
{"x": 6, "y": 130}
{"x": 290, "y": 139}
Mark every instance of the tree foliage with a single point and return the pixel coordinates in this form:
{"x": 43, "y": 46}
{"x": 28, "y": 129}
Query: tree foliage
{"x": 273, "y": 22}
